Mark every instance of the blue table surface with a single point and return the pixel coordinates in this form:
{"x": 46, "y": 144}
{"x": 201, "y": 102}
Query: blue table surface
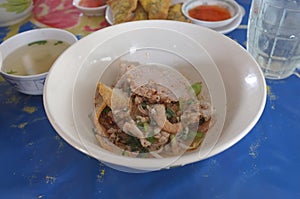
{"x": 35, "y": 162}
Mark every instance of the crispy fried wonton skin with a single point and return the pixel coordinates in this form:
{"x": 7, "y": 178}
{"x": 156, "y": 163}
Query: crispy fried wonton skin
{"x": 140, "y": 13}
{"x": 176, "y": 14}
{"x": 122, "y": 9}
{"x": 157, "y": 9}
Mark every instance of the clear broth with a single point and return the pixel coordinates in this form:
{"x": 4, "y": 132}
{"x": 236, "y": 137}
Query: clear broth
{"x": 34, "y": 58}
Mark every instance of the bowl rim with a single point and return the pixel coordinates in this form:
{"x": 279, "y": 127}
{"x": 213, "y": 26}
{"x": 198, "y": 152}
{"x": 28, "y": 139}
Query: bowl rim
{"x": 23, "y": 77}
{"x": 233, "y": 3}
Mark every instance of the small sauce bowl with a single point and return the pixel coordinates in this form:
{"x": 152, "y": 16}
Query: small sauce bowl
{"x": 211, "y": 13}
{"x": 91, "y": 7}
{"x": 27, "y": 73}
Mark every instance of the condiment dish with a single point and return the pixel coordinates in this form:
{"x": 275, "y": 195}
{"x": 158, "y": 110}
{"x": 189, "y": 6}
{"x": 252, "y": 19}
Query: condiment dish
{"x": 211, "y": 8}
{"x": 91, "y": 10}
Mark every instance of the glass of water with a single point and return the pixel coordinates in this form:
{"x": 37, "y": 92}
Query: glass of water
{"x": 273, "y": 37}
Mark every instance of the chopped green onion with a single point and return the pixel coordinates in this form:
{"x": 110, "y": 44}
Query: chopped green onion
{"x": 140, "y": 125}
{"x": 106, "y": 110}
{"x": 151, "y": 139}
{"x": 58, "y": 42}
{"x": 180, "y": 104}
{"x": 199, "y": 134}
{"x": 11, "y": 72}
{"x": 172, "y": 138}
{"x": 146, "y": 127}
{"x": 133, "y": 142}
{"x": 197, "y": 87}
{"x": 170, "y": 113}
{"x": 144, "y": 105}
{"x": 42, "y": 42}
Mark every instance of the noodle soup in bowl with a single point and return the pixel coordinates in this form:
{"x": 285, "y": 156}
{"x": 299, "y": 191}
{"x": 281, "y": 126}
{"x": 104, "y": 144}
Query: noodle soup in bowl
{"x": 132, "y": 105}
{"x": 27, "y": 57}
{"x": 69, "y": 100}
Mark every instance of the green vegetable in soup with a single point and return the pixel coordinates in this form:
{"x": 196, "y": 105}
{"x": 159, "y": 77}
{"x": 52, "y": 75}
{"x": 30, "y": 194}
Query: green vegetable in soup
{"x": 146, "y": 127}
{"x": 151, "y": 139}
{"x": 42, "y": 42}
{"x": 144, "y": 105}
{"x": 170, "y": 113}
{"x": 199, "y": 134}
{"x": 106, "y": 110}
{"x": 143, "y": 126}
{"x": 135, "y": 144}
{"x": 195, "y": 135}
{"x": 58, "y": 42}
{"x": 11, "y": 72}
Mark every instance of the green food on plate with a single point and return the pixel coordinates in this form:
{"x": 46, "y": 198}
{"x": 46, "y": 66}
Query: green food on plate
{"x": 17, "y": 6}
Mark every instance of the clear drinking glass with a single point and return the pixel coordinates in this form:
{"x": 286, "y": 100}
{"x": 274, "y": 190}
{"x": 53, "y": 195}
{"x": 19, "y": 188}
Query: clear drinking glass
{"x": 274, "y": 36}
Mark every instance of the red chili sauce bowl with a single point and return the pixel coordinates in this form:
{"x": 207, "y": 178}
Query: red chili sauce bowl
{"x": 91, "y": 3}
{"x": 91, "y": 7}
{"x": 211, "y": 13}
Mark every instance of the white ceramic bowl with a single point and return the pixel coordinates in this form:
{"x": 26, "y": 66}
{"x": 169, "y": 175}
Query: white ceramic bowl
{"x": 242, "y": 78}
{"x": 232, "y": 6}
{"x": 30, "y": 84}
{"x": 11, "y": 14}
{"x": 90, "y": 11}
{"x": 144, "y": 46}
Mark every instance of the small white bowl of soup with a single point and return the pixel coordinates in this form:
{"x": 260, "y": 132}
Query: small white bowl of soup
{"x": 211, "y": 13}
{"x": 26, "y": 58}
{"x": 91, "y": 7}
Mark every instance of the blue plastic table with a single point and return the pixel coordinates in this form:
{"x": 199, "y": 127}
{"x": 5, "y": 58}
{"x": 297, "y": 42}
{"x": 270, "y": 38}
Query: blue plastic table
{"x": 35, "y": 162}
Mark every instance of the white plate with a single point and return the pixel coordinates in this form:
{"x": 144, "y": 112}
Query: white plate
{"x": 224, "y": 30}
{"x": 242, "y": 78}
{"x": 145, "y": 45}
